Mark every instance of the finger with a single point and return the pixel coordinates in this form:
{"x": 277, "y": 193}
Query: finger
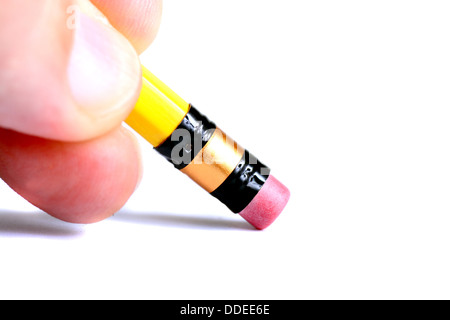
{"x": 80, "y": 182}
{"x": 138, "y": 20}
{"x": 67, "y": 74}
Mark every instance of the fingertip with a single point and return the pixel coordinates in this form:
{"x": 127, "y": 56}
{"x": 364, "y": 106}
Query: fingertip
{"x": 83, "y": 182}
{"x": 137, "y": 20}
{"x": 70, "y": 76}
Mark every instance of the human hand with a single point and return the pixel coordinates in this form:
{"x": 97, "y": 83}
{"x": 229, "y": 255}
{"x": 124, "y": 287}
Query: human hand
{"x": 68, "y": 79}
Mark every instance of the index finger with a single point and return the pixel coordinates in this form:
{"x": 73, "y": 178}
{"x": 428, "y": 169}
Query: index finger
{"x": 138, "y": 20}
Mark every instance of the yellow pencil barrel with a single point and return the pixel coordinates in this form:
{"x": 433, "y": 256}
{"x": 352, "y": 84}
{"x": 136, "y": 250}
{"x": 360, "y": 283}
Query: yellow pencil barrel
{"x": 158, "y": 111}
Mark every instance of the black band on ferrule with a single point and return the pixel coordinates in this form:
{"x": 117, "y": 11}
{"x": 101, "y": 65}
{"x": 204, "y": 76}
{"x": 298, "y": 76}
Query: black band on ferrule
{"x": 243, "y": 184}
{"x": 188, "y": 139}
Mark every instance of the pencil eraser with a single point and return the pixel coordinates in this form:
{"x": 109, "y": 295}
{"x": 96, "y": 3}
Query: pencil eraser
{"x": 267, "y": 205}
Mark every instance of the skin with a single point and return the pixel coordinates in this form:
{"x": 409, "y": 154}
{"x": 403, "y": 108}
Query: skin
{"x": 77, "y": 168}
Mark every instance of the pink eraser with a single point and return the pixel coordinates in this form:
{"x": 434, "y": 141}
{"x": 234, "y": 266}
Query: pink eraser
{"x": 267, "y": 205}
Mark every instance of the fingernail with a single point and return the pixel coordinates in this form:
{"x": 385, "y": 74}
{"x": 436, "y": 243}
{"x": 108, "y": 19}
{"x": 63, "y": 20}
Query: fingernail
{"x": 104, "y": 69}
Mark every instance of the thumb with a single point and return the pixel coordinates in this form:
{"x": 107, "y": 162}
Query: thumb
{"x": 67, "y": 74}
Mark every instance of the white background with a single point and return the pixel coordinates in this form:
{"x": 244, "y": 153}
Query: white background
{"x": 347, "y": 101}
